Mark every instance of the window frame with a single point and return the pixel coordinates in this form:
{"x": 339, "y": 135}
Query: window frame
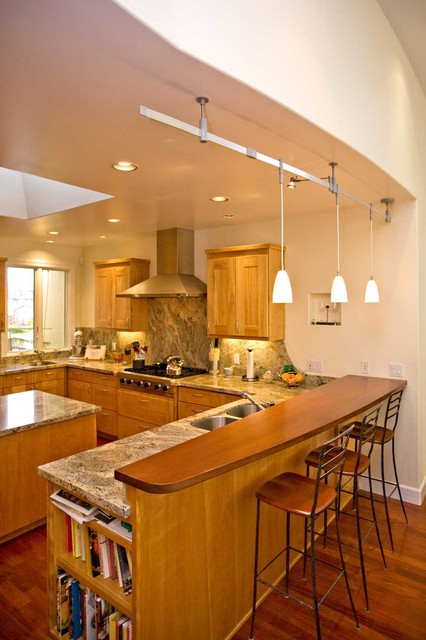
{"x": 69, "y": 302}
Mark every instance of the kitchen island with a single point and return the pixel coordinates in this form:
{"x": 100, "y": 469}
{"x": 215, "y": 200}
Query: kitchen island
{"x": 36, "y": 427}
{"x": 192, "y": 508}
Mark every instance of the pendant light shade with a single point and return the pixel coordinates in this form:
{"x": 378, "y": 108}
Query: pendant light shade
{"x": 282, "y": 291}
{"x": 338, "y": 290}
{"x": 371, "y": 290}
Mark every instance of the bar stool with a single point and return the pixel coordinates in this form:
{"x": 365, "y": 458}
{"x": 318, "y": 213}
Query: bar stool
{"x": 356, "y": 463}
{"x": 382, "y": 436}
{"x": 308, "y": 498}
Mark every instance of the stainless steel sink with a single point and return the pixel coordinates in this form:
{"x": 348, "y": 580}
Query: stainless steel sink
{"x": 212, "y": 423}
{"x": 41, "y": 363}
{"x": 242, "y": 411}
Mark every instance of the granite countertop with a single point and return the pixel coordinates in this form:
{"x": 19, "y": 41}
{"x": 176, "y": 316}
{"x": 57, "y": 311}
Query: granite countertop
{"x": 90, "y": 474}
{"x": 31, "y": 409}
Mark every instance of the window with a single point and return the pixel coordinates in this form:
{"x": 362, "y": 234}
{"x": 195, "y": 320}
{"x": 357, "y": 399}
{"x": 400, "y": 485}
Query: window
{"x": 36, "y": 308}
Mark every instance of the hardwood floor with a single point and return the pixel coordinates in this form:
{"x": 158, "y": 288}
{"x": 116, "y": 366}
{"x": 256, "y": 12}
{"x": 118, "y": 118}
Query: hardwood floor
{"x": 397, "y": 596}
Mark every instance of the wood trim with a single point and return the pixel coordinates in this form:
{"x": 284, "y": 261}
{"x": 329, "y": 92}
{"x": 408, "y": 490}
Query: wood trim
{"x": 258, "y": 436}
{"x": 246, "y": 247}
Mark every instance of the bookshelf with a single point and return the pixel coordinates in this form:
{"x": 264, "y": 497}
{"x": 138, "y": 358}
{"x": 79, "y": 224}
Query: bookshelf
{"x": 81, "y": 570}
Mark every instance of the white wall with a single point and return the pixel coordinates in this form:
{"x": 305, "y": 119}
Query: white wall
{"x": 339, "y": 65}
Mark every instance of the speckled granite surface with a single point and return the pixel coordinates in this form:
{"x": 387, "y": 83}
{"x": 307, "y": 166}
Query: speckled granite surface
{"x": 90, "y": 474}
{"x": 31, "y": 409}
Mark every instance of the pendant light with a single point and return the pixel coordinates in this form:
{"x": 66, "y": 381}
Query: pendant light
{"x": 371, "y": 290}
{"x": 282, "y": 291}
{"x": 338, "y": 290}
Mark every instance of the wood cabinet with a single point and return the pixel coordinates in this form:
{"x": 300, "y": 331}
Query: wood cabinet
{"x": 240, "y": 281}
{"x": 112, "y": 277}
{"x": 3, "y": 294}
{"x": 192, "y": 401}
{"x": 49, "y": 380}
{"x": 23, "y": 497}
{"x": 141, "y": 411}
{"x": 76, "y": 567}
{"x": 100, "y": 389}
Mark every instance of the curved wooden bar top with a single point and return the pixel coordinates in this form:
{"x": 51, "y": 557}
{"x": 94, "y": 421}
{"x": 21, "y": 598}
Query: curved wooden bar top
{"x": 257, "y": 436}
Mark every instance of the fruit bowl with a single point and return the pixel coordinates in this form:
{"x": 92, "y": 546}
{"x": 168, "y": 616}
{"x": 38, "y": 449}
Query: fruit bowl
{"x": 293, "y": 378}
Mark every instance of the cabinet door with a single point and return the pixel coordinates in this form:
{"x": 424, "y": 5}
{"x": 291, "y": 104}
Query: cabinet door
{"x": 221, "y": 297}
{"x": 120, "y": 282}
{"x": 79, "y": 390}
{"x": 103, "y": 298}
{"x": 251, "y": 297}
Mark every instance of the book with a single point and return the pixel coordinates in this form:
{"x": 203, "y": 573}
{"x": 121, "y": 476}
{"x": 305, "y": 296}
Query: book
{"x": 72, "y": 501}
{"x": 76, "y": 608}
{"x": 112, "y": 622}
{"x": 126, "y": 576}
{"x": 90, "y": 617}
{"x": 103, "y": 556}
{"x": 94, "y": 561}
{"x": 62, "y": 605}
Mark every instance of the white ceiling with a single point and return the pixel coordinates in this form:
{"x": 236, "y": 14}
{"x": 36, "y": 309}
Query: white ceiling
{"x": 73, "y": 75}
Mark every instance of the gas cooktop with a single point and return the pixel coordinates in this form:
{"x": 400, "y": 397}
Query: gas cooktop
{"x": 159, "y": 370}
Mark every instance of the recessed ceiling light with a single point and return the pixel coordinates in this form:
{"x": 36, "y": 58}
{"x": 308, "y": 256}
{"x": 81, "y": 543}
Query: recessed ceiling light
{"x": 103, "y": 237}
{"x": 228, "y": 216}
{"x": 219, "y": 199}
{"x": 113, "y": 220}
{"x": 53, "y": 233}
{"x": 50, "y": 241}
{"x": 124, "y": 166}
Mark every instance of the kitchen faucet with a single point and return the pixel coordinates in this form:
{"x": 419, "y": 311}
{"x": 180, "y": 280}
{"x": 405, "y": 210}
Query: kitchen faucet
{"x": 39, "y": 353}
{"x": 256, "y": 403}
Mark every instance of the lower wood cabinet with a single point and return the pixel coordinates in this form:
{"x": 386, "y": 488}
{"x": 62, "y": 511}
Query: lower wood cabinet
{"x": 100, "y": 389}
{"x": 48, "y": 380}
{"x": 139, "y": 412}
{"x": 23, "y": 491}
{"x": 192, "y": 401}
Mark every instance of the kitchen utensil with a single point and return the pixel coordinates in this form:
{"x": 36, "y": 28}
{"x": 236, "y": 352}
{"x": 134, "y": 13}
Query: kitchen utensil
{"x": 174, "y": 366}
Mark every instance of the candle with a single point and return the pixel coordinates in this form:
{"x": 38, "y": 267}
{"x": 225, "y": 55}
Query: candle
{"x": 113, "y": 346}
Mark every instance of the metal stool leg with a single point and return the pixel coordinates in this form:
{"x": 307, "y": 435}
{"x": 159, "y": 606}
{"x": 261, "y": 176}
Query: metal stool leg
{"x": 373, "y": 510}
{"x": 256, "y": 566}
{"x": 397, "y": 480}
{"x": 385, "y": 499}
{"x": 360, "y": 551}
{"x": 314, "y": 580}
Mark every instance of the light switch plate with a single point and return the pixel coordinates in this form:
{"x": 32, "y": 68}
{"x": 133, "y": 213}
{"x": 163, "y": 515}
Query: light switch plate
{"x": 396, "y": 369}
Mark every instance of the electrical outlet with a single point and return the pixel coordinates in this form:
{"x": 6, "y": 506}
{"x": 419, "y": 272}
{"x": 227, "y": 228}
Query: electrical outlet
{"x": 315, "y": 366}
{"x": 396, "y": 370}
{"x": 236, "y": 358}
{"x": 365, "y": 367}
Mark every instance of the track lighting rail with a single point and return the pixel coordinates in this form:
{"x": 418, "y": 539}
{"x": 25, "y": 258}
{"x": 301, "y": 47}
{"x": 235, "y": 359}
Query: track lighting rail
{"x": 205, "y": 136}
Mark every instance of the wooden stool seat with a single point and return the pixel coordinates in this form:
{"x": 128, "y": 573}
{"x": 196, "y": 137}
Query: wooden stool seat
{"x": 294, "y": 493}
{"x": 351, "y": 461}
{"x": 381, "y": 436}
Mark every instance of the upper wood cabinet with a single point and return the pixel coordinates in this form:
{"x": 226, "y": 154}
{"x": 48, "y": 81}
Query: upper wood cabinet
{"x": 239, "y": 292}
{"x": 3, "y": 294}
{"x": 112, "y": 277}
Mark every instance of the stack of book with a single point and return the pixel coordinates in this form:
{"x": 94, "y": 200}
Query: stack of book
{"x": 81, "y": 613}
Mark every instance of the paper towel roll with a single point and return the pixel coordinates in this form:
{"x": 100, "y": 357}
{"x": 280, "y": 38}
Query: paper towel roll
{"x": 250, "y": 364}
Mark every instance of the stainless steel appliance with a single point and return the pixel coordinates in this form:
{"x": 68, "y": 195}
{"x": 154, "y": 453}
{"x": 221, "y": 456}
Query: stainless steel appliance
{"x": 78, "y": 350}
{"x": 154, "y": 379}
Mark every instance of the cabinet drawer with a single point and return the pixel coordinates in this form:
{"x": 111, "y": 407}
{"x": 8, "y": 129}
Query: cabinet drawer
{"x": 18, "y": 379}
{"x": 79, "y": 374}
{"x": 130, "y": 426}
{"x": 105, "y": 379}
{"x": 209, "y": 399}
{"x": 107, "y": 422}
{"x": 188, "y": 409}
{"x": 48, "y": 374}
{"x": 152, "y": 410}
{"x": 104, "y": 396}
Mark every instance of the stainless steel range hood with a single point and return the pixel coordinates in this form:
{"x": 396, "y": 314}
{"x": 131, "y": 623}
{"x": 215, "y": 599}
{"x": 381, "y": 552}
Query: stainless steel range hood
{"x": 175, "y": 269}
